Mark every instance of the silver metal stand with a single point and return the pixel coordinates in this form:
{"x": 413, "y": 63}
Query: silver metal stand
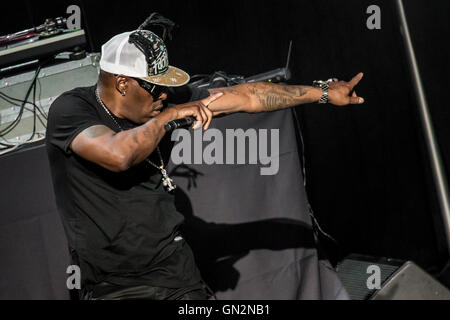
{"x": 439, "y": 176}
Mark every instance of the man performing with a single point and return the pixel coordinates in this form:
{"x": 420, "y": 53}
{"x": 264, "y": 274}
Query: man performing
{"x": 108, "y": 149}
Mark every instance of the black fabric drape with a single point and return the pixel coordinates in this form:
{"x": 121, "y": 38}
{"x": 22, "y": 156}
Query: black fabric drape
{"x": 252, "y": 234}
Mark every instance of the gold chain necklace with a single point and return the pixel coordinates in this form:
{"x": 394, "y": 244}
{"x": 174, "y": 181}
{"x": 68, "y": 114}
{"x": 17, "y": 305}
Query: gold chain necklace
{"x": 166, "y": 180}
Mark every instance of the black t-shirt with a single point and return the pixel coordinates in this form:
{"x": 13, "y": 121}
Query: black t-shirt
{"x": 121, "y": 227}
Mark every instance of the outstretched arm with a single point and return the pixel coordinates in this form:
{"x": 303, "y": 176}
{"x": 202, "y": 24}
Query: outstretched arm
{"x": 262, "y": 96}
{"x": 119, "y": 151}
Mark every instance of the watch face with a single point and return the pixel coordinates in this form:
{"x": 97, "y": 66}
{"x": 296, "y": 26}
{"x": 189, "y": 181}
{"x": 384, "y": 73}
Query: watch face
{"x": 319, "y": 83}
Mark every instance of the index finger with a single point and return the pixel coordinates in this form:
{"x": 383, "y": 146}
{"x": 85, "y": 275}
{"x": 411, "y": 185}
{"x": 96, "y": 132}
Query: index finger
{"x": 211, "y": 98}
{"x": 356, "y": 79}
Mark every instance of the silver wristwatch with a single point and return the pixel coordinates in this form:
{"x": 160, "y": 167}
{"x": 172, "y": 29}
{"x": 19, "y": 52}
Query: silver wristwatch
{"x": 324, "y": 85}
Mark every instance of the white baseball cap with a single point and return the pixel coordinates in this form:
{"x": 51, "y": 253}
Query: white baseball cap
{"x": 141, "y": 54}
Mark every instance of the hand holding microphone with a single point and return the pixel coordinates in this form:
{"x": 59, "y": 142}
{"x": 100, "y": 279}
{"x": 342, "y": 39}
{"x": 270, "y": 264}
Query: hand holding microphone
{"x": 189, "y": 112}
{"x": 179, "y": 123}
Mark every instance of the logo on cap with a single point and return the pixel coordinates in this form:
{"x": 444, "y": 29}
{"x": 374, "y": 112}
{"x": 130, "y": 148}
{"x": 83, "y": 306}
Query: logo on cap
{"x": 161, "y": 64}
{"x": 154, "y": 49}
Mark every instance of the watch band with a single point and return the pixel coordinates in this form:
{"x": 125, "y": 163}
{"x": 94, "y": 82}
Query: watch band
{"x": 324, "y": 85}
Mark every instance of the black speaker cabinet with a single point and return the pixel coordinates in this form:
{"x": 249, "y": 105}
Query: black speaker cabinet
{"x": 372, "y": 278}
{"x": 33, "y": 249}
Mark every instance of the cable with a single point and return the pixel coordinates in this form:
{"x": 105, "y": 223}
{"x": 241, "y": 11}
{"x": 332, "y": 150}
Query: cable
{"x": 8, "y": 146}
{"x": 43, "y": 114}
{"x": 303, "y": 165}
{"x": 11, "y": 100}
{"x": 40, "y": 100}
{"x": 16, "y": 121}
{"x": 13, "y": 124}
{"x": 17, "y": 146}
{"x": 34, "y": 114}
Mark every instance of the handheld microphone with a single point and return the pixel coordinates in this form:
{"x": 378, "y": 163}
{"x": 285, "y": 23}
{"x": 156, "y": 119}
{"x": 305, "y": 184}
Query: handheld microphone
{"x": 179, "y": 123}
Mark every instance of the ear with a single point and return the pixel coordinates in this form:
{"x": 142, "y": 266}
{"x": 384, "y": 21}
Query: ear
{"x": 163, "y": 96}
{"x": 122, "y": 84}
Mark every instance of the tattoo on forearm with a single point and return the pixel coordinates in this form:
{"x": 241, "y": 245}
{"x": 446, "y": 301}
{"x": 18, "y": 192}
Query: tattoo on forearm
{"x": 146, "y": 137}
{"x": 149, "y": 132}
{"x": 135, "y": 136}
{"x": 96, "y": 131}
{"x": 275, "y": 97}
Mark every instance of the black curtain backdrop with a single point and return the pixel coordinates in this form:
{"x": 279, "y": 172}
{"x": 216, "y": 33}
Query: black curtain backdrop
{"x": 368, "y": 178}
{"x": 252, "y": 235}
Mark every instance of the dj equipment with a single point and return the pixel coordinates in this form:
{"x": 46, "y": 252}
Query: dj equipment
{"x": 40, "y": 42}
{"x": 48, "y": 28}
{"x": 399, "y": 280}
{"x": 221, "y": 79}
{"x": 50, "y": 83}
{"x": 36, "y": 48}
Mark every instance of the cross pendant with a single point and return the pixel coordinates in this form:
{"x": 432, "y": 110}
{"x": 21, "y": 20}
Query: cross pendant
{"x": 167, "y": 181}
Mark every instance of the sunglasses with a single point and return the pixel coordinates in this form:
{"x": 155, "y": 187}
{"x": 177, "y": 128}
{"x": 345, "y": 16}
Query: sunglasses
{"x": 155, "y": 90}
